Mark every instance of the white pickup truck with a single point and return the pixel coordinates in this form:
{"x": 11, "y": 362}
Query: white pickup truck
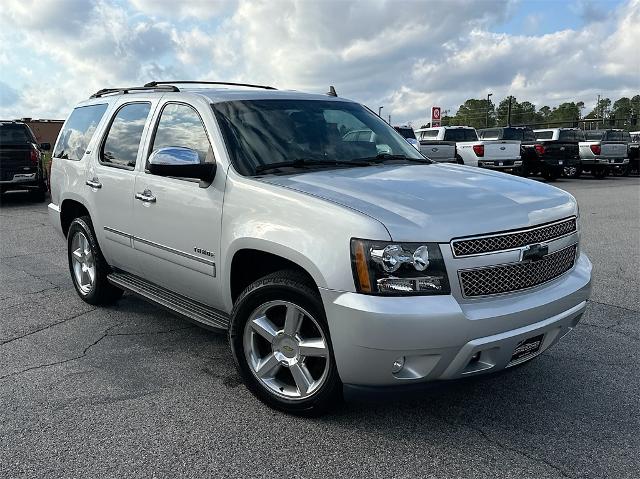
{"x": 495, "y": 154}
{"x": 603, "y": 151}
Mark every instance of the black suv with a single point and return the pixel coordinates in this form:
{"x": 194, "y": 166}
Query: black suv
{"x": 21, "y": 160}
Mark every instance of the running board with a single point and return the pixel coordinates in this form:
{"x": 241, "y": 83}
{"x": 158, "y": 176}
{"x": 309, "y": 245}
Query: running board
{"x": 176, "y": 303}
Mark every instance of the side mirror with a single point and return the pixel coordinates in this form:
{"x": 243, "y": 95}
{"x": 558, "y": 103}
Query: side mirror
{"x": 45, "y": 146}
{"x": 181, "y": 162}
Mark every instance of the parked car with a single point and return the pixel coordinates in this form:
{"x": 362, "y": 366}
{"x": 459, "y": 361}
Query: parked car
{"x": 22, "y": 160}
{"x": 634, "y": 152}
{"x": 328, "y": 264}
{"x": 409, "y": 135}
{"x": 557, "y": 152}
{"x": 434, "y": 149}
{"x": 493, "y": 154}
{"x": 604, "y": 150}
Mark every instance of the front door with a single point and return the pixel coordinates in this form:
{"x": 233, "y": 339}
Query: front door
{"x": 177, "y": 223}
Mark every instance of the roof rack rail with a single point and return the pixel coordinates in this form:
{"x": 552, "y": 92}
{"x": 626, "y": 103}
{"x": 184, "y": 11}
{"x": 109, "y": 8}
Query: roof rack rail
{"x": 122, "y": 91}
{"x": 156, "y": 83}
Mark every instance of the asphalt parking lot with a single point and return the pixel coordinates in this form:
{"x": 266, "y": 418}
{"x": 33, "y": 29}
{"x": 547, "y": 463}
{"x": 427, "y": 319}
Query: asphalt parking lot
{"x": 133, "y": 391}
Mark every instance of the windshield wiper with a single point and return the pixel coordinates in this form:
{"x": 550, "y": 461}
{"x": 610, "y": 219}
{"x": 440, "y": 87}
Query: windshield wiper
{"x": 382, "y": 157}
{"x": 306, "y": 163}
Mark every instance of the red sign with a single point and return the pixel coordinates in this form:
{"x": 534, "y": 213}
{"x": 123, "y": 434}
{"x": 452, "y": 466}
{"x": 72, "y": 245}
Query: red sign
{"x": 435, "y": 116}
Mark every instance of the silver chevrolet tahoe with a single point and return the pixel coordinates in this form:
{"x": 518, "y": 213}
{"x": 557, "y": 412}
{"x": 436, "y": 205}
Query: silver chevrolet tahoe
{"x": 331, "y": 259}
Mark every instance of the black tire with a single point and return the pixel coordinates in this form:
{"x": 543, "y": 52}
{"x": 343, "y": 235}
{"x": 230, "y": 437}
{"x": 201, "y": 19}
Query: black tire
{"x": 40, "y": 193}
{"x": 292, "y": 287}
{"x": 459, "y": 160}
{"x": 621, "y": 171}
{"x": 599, "y": 172}
{"x": 101, "y": 292}
{"x": 550, "y": 174}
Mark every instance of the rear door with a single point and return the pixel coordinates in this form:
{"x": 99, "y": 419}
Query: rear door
{"x": 110, "y": 180}
{"x": 176, "y": 222}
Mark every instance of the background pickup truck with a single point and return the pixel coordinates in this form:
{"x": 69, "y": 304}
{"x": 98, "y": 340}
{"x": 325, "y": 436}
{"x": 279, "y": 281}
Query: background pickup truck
{"x": 554, "y": 152}
{"x": 434, "y": 149}
{"x": 494, "y": 154}
{"x": 21, "y": 160}
{"x": 603, "y": 150}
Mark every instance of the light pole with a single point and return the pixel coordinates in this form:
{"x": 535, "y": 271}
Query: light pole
{"x": 486, "y": 121}
{"x": 380, "y": 111}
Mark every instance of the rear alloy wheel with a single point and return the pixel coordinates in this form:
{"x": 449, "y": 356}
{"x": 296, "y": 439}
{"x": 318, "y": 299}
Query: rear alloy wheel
{"x": 572, "y": 171}
{"x": 88, "y": 267}
{"x": 280, "y": 343}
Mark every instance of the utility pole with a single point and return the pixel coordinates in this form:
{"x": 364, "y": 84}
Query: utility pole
{"x": 598, "y": 113}
{"x": 380, "y": 111}
{"x": 389, "y": 119}
{"x": 509, "y": 112}
{"x": 486, "y": 121}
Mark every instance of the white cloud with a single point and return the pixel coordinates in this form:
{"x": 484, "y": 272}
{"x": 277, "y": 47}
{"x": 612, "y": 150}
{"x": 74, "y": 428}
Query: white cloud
{"x": 404, "y": 55}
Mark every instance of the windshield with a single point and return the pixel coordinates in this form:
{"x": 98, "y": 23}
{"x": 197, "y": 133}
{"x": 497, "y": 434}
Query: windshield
{"x": 259, "y": 133}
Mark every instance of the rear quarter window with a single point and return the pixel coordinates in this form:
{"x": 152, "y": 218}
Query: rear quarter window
{"x": 460, "y": 134}
{"x": 544, "y": 135}
{"x": 593, "y": 135}
{"x": 78, "y": 131}
{"x": 428, "y": 135}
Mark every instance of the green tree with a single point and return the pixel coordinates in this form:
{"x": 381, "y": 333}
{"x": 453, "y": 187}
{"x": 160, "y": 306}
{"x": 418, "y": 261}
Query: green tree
{"x": 473, "y": 112}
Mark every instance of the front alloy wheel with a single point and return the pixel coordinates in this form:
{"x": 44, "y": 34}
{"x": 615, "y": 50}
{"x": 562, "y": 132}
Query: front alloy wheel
{"x": 286, "y": 350}
{"x": 280, "y": 342}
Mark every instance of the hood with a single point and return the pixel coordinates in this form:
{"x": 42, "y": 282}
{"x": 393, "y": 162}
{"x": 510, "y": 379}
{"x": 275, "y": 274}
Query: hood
{"x": 436, "y": 202}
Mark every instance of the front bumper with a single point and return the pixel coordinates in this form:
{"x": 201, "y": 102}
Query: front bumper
{"x": 439, "y": 337}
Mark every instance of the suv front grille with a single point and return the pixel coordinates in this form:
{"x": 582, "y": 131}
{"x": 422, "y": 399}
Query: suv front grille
{"x": 514, "y": 239}
{"x": 516, "y": 276}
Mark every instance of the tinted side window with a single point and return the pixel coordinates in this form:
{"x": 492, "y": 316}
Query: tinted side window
{"x": 78, "y": 131}
{"x": 180, "y": 125}
{"x": 123, "y": 140}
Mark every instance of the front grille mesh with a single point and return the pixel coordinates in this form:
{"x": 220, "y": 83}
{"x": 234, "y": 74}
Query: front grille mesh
{"x": 516, "y": 276}
{"x": 515, "y": 239}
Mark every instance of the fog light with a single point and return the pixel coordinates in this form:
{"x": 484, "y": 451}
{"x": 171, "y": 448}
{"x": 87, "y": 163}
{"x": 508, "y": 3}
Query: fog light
{"x": 398, "y": 364}
{"x": 475, "y": 358}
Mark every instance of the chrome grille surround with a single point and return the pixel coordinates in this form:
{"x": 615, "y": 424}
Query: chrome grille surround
{"x": 513, "y": 239}
{"x": 510, "y": 277}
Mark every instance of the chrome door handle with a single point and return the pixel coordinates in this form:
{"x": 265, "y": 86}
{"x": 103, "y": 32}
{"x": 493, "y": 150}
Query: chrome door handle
{"x": 146, "y": 196}
{"x": 93, "y": 183}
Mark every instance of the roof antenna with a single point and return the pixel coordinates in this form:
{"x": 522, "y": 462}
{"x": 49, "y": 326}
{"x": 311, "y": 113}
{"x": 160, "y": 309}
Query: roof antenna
{"x": 332, "y": 91}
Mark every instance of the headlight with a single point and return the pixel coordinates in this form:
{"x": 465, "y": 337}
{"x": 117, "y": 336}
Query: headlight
{"x": 386, "y": 268}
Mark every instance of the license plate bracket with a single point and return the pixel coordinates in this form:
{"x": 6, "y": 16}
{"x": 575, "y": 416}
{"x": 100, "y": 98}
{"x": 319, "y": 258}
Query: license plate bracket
{"x": 526, "y": 348}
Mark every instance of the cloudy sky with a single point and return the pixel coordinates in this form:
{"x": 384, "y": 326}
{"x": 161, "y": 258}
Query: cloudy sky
{"x": 405, "y": 55}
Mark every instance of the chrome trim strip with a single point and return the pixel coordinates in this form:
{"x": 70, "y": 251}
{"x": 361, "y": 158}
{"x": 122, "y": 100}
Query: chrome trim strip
{"x": 507, "y": 233}
{"x": 515, "y": 291}
{"x": 118, "y": 232}
{"x": 162, "y": 247}
{"x": 174, "y": 251}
